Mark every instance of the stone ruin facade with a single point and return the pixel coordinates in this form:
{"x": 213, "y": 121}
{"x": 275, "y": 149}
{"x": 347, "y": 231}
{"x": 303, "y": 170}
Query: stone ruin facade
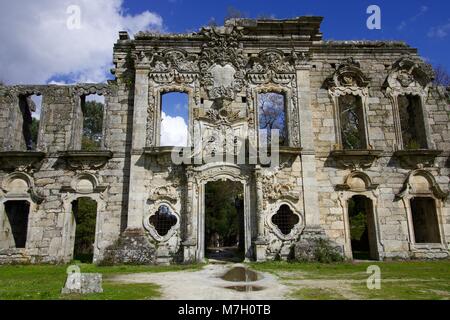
{"x": 329, "y": 88}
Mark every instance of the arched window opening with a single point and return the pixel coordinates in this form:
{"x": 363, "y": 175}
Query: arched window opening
{"x": 174, "y": 119}
{"x": 92, "y": 108}
{"x": 17, "y": 213}
{"x": 272, "y": 116}
{"x": 412, "y": 122}
{"x": 85, "y": 214}
{"x": 30, "y": 108}
{"x": 352, "y": 124}
{"x": 285, "y": 219}
{"x": 163, "y": 220}
{"x": 425, "y": 222}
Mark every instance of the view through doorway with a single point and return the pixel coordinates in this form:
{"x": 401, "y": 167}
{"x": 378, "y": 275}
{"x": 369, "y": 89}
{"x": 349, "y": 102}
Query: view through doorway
{"x": 224, "y": 221}
{"x": 362, "y": 228}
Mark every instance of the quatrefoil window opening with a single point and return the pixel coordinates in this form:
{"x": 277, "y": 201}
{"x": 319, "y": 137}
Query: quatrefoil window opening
{"x": 285, "y": 219}
{"x": 163, "y": 220}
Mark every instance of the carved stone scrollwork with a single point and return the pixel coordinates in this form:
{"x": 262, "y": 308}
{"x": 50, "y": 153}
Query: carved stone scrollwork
{"x": 222, "y": 62}
{"x": 274, "y": 191}
{"x": 348, "y": 79}
{"x": 422, "y": 182}
{"x": 271, "y": 66}
{"x": 167, "y": 192}
{"x": 356, "y": 159}
{"x": 417, "y": 159}
{"x": 174, "y": 66}
{"x": 21, "y": 160}
{"x": 409, "y": 75}
{"x": 86, "y": 160}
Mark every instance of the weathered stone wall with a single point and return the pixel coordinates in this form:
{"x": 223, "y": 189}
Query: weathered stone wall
{"x": 132, "y": 176}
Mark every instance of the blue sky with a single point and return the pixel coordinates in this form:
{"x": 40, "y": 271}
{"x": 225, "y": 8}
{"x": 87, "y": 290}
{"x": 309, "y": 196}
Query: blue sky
{"x": 38, "y": 46}
{"x": 424, "y": 24}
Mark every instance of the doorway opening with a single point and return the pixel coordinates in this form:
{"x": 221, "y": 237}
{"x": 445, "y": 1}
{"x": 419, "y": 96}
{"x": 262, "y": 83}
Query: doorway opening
{"x": 17, "y": 213}
{"x": 85, "y": 214}
{"x": 362, "y": 228}
{"x": 224, "y": 221}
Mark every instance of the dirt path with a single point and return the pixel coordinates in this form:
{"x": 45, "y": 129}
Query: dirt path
{"x": 206, "y": 284}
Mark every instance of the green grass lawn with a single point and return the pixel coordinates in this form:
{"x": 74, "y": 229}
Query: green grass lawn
{"x": 44, "y": 282}
{"x": 412, "y": 280}
{"x": 409, "y": 280}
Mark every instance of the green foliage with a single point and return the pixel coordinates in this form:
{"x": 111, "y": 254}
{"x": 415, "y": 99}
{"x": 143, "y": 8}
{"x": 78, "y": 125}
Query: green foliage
{"x": 86, "y": 217}
{"x": 221, "y": 211}
{"x": 44, "y": 282}
{"x": 92, "y": 125}
{"x": 34, "y": 130}
{"x": 412, "y": 145}
{"x": 325, "y": 253}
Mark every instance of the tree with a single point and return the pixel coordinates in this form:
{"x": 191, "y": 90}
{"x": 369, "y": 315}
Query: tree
{"x": 442, "y": 77}
{"x": 272, "y": 115}
{"x": 34, "y": 130}
{"x": 92, "y": 125}
{"x": 85, "y": 212}
{"x": 222, "y": 212}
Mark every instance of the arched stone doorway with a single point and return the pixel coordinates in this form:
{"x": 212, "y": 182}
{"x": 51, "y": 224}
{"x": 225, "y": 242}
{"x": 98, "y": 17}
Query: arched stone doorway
{"x": 220, "y": 172}
{"x": 224, "y": 221}
{"x": 358, "y": 197}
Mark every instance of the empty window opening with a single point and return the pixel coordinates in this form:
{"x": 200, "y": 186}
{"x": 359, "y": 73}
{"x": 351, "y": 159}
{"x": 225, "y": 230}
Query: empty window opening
{"x": 85, "y": 214}
{"x": 163, "y": 220}
{"x": 362, "y": 228}
{"x": 30, "y": 108}
{"x": 272, "y": 116}
{"x": 352, "y": 123}
{"x": 17, "y": 213}
{"x": 224, "y": 221}
{"x": 412, "y": 122}
{"x": 425, "y": 222}
{"x": 174, "y": 119}
{"x": 285, "y": 219}
{"x": 92, "y": 107}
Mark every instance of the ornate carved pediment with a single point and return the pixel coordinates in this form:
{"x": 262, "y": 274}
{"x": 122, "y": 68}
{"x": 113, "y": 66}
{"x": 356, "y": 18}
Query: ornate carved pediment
{"x": 348, "y": 76}
{"x": 409, "y": 75}
{"x": 21, "y": 160}
{"x": 421, "y": 182}
{"x": 84, "y": 183}
{"x": 86, "y": 160}
{"x": 357, "y": 181}
{"x": 272, "y": 65}
{"x": 222, "y": 62}
{"x": 173, "y": 66}
{"x": 417, "y": 159}
{"x": 356, "y": 159}
{"x": 20, "y": 185}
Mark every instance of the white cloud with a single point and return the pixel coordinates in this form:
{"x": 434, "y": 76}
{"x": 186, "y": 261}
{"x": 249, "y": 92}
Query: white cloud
{"x": 174, "y": 131}
{"x": 37, "y": 44}
{"x": 441, "y": 31}
{"x": 423, "y": 10}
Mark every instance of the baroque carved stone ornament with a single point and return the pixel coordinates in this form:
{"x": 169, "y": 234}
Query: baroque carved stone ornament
{"x": 174, "y": 66}
{"x": 272, "y": 66}
{"x": 222, "y": 62}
